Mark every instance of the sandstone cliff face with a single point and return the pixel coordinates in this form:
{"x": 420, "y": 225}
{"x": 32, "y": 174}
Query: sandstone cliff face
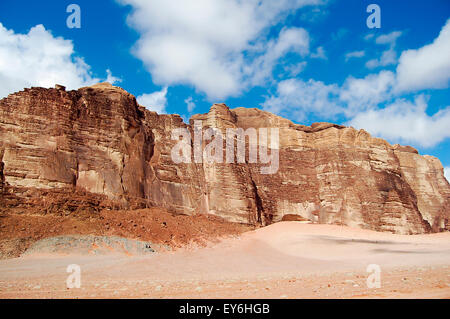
{"x": 98, "y": 139}
{"x": 335, "y": 174}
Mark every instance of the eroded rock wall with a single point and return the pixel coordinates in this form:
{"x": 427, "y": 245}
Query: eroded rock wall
{"x": 100, "y": 140}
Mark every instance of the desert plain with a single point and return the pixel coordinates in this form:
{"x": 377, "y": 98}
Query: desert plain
{"x": 283, "y": 260}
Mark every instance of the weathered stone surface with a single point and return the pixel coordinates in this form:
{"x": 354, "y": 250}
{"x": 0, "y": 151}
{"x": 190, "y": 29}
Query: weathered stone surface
{"x": 335, "y": 174}
{"x": 2, "y": 177}
{"x": 98, "y": 139}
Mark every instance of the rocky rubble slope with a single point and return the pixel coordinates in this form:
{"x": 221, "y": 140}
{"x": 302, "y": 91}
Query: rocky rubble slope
{"x": 47, "y": 231}
{"x": 100, "y": 141}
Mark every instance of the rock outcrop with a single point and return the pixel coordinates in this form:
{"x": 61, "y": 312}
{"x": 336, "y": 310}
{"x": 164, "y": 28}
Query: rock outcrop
{"x": 98, "y": 139}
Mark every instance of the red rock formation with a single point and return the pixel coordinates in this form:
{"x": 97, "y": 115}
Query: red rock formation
{"x": 98, "y": 139}
{"x": 2, "y": 177}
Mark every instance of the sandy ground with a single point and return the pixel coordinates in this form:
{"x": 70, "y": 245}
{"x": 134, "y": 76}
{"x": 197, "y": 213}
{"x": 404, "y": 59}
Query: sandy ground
{"x": 284, "y": 260}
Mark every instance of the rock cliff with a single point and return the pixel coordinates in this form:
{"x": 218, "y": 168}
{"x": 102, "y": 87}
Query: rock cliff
{"x": 98, "y": 139}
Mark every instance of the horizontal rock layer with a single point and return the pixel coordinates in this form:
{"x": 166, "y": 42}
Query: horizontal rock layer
{"x": 98, "y": 139}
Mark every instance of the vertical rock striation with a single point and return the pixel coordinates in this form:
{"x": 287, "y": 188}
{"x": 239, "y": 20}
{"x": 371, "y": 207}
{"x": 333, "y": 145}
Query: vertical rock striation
{"x": 98, "y": 139}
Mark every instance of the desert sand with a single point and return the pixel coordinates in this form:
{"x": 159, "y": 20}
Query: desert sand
{"x": 283, "y": 260}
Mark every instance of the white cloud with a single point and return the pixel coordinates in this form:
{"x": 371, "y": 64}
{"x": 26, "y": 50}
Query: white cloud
{"x": 427, "y": 67}
{"x": 296, "y": 98}
{"x": 290, "y": 40}
{"x": 319, "y": 54}
{"x": 190, "y": 104}
{"x": 111, "y": 78}
{"x": 447, "y": 173}
{"x": 361, "y": 93}
{"x": 295, "y": 69}
{"x": 211, "y": 44}
{"x": 359, "y": 100}
{"x": 406, "y": 122}
{"x": 39, "y": 59}
{"x": 156, "y": 101}
{"x": 299, "y": 98}
{"x": 390, "y": 38}
{"x": 355, "y": 54}
{"x": 373, "y": 102}
{"x": 389, "y": 56}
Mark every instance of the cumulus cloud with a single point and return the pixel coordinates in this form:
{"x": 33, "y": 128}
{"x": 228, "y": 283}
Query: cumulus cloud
{"x": 212, "y": 44}
{"x": 406, "y": 122}
{"x": 156, "y": 101}
{"x": 360, "y": 100}
{"x": 295, "y": 97}
{"x": 40, "y": 59}
{"x": 290, "y": 40}
{"x": 361, "y": 93}
{"x": 374, "y": 101}
{"x": 427, "y": 67}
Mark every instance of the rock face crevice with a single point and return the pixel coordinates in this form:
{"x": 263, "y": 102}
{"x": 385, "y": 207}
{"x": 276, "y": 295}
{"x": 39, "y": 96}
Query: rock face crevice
{"x": 2, "y": 177}
{"x": 99, "y": 140}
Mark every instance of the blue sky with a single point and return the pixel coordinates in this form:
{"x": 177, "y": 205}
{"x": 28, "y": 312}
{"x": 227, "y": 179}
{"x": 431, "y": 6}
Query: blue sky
{"x": 307, "y": 60}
